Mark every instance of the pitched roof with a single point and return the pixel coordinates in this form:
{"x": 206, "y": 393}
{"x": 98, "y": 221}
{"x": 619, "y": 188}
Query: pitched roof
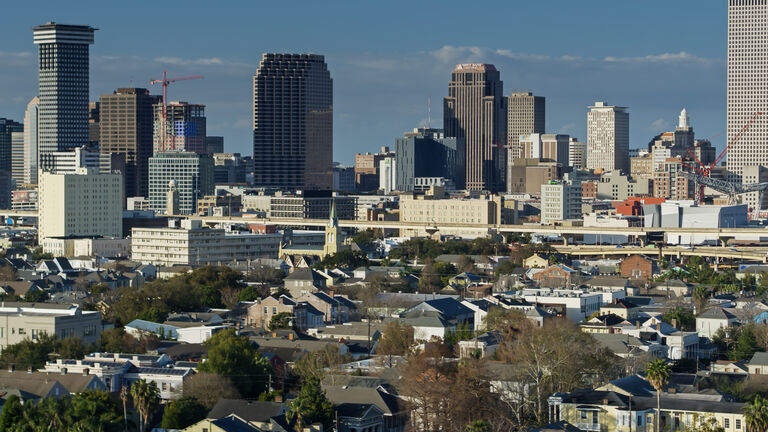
{"x": 305, "y": 274}
{"x": 386, "y": 402}
{"x": 759, "y": 359}
{"x": 234, "y": 424}
{"x": 717, "y": 313}
{"x": 248, "y": 410}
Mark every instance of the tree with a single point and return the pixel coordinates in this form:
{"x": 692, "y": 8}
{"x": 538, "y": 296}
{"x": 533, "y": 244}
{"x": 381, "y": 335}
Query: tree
{"x": 281, "y": 321}
{"x": 28, "y": 353}
{"x": 146, "y": 399}
{"x": 11, "y": 414}
{"x": 252, "y": 293}
{"x": 314, "y": 364}
{"x": 36, "y": 295}
{"x": 396, "y": 339}
{"x": 682, "y": 318}
{"x": 364, "y": 238}
{"x": 429, "y": 280}
{"x": 233, "y": 356}
{"x": 208, "y": 388}
{"x": 746, "y": 345}
{"x": 465, "y": 264}
{"x": 38, "y": 255}
{"x": 505, "y": 268}
{"x": 700, "y": 296}
{"x": 124, "y": 395}
{"x": 182, "y": 413}
{"x": 265, "y": 275}
{"x": 756, "y": 414}
{"x": 657, "y": 373}
{"x": 311, "y": 405}
{"x": 343, "y": 258}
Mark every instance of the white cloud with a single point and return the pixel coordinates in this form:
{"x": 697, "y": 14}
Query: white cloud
{"x": 451, "y": 54}
{"x": 567, "y": 128}
{"x": 21, "y": 54}
{"x": 211, "y": 61}
{"x": 659, "y": 125}
{"x": 681, "y": 57}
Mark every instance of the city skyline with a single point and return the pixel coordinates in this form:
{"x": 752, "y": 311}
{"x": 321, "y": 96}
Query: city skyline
{"x": 382, "y": 85}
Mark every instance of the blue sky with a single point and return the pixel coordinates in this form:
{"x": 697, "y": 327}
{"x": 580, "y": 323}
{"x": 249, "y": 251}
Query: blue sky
{"x": 388, "y": 58}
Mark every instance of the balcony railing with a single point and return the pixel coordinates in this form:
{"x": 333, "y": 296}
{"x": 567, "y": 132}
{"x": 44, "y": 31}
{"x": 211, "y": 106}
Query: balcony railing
{"x": 588, "y": 426}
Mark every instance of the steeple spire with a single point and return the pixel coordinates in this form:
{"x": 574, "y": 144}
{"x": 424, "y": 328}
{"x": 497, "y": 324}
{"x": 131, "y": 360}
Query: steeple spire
{"x": 334, "y": 221}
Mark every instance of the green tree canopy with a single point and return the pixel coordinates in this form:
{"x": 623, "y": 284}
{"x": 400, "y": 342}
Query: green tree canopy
{"x": 343, "y": 259}
{"x": 234, "y": 357}
{"x": 311, "y": 405}
{"x": 182, "y": 413}
{"x": 397, "y": 339}
{"x": 281, "y": 321}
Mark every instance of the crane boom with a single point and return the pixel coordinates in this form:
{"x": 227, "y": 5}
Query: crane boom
{"x": 165, "y": 82}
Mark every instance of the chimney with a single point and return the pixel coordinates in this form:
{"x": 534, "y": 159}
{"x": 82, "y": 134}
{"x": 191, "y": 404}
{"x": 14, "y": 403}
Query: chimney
{"x": 658, "y": 326}
{"x": 674, "y": 323}
{"x": 290, "y": 336}
{"x": 86, "y": 372}
{"x": 29, "y": 369}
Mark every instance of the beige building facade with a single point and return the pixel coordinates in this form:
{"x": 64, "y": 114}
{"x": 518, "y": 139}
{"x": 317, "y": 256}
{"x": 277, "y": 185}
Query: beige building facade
{"x": 20, "y": 321}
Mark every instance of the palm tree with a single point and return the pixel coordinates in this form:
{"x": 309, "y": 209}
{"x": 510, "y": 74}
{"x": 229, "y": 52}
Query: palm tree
{"x": 700, "y": 297}
{"x": 124, "y": 397}
{"x": 756, "y": 414}
{"x": 146, "y": 398}
{"x": 657, "y": 373}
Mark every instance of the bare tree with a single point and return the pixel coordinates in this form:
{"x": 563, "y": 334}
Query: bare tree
{"x": 208, "y": 388}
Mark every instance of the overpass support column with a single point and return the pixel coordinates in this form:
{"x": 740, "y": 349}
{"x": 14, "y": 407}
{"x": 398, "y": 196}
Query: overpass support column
{"x": 723, "y": 242}
{"x": 642, "y": 241}
{"x": 565, "y": 241}
{"x": 717, "y": 262}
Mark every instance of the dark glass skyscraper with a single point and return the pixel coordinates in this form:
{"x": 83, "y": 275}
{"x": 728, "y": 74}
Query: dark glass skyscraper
{"x": 475, "y": 111}
{"x": 63, "y": 63}
{"x": 293, "y": 122}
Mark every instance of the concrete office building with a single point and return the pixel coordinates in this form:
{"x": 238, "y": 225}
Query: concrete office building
{"x": 560, "y": 201}
{"x": 228, "y": 168}
{"x": 527, "y": 175}
{"x": 428, "y": 153}
{"x": 293, "y": 122}
{"x": 475, "y": 111}
{"x": 668, "y": 183}
{"x": 436, "y": 208}
{"x": 641, "y": 167}
{"x": 85, "y": 204}
{"x": 191, "y": 173}
{"x": 310, "y": 205}
{"x": 747, "y": 84}
{"x": 526, "y": 114}
{"x": 63, "y": 77}
{"x": 94, "y": 126}
{"x": 187, "y": 242}
{"x": 31, "y": 138}
{"x": 126, "y": 127}
{"x": 184, "y": 129}
{"x": 577, "y": 153}
{"x": 68, "y": 162}
{"x": 367, "y": 169}
{"x": 615, "y": 186}
{"x": 387, "y": 175}
{"x": 607, "y": 138}
{"x": 554, "y": 147}
{"x": 17, "y": 158}
{"x": 20, "y": 321}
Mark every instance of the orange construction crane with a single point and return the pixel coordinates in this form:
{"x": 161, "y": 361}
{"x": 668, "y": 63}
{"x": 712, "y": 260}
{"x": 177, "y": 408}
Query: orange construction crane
{"x": 164, "y": 82}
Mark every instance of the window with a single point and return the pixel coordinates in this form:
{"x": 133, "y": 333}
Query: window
{"x": 738, "y": 424}
{"x": 726, "y": 423}
{"x": 22, "y": 331}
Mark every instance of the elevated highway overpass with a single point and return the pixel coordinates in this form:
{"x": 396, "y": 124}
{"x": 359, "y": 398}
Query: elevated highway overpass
{"x": 745, "y": 253}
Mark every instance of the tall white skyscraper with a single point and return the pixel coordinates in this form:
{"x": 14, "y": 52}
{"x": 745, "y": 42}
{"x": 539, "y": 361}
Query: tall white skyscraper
{"x": 747, "y": 84}
{"x": 608, "y": 138}
{"x": 63, "y": 77}
{"x": 31, "y": 118}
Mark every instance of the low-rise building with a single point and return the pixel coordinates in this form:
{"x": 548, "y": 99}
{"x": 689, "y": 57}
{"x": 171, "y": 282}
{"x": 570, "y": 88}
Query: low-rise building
{"x": 560, "y": 201}
{"x": 573, "y": 305}
{"x": 434, "y": 208}
{"x": 710, "y": 321}
{"x": 20, "y": 321}
{"x": 189, "y": 243}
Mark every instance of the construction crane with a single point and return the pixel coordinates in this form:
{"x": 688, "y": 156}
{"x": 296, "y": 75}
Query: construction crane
{"x": 164, "y": 82}
{"x": 704, "y": 170}
{"x": 732, "y": 189}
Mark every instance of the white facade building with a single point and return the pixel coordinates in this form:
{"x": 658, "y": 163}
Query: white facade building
{"x": 188, "y": 243}
{"x": 560, "y": 200}
{"x": 747, "y": 84}
{"x": 577, "y": 153}
{"x": 608, "y": 137}
{"x": 84, "y": 204}
{"x": 545, "y": 146}
{"x": 387, "y": 174}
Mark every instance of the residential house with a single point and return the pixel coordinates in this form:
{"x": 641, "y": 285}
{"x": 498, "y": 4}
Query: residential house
{"x": 536, "y": 261}
{"x": 261, "y": 312}
{"x": 255, "y": 413}
{"x": 758, "y": 365}
{"x": 304, "y": 280}
{"x": 481, "y": 308}
{"x": 608, "y": 283}
{"x": 626, "y": 346}
{"x": 334, "y": 312}
{"x": 30, "y": 384}
{"x": 605, "y": 323}
{"x": 450, "y": 309}
{"x": 556, "y": 276}
{"x": 483, "y": 345}
{"x": 621, "y": 307}
{"x": 713, "y": 319}
{"x": 231, "y": 423}
{"x": 198, "y": 334}
{"x": 679, "y": 344}
{"x": 638, "y": 268}
{"x": 731, "y": 367}
{"x": 137, "y": 328}
{"x": 390, "y": 408}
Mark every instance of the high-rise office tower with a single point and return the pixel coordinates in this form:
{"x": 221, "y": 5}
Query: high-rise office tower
{"x": 7, "y": 128}
{"x": 608, "y": 138}
{"x": 31, "y": 138}
{"x": 63, "y": 85}
{"x": 126, "y": 127}
{"x": 475, "y": 111}
{"x": 747, "y": 84}
{"x": 525, "y": 115}
{"x": 293, "y": 122}
{"x": 184, "y": 128}
{"x": 94, "y": 109}
{"x": 190, "y": 173}
{"x": 17, "y": 158}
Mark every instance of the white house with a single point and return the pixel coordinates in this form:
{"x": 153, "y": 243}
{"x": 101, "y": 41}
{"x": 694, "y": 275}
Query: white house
{"x": 713, "y": 319}
{"x": 199, "y": 334}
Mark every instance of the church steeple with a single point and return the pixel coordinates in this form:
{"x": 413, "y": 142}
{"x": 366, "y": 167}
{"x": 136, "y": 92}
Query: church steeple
{"x": 333, "y": 221}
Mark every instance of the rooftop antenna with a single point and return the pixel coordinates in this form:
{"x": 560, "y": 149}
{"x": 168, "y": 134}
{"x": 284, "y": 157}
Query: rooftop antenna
{"x": 429, "y": 112}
